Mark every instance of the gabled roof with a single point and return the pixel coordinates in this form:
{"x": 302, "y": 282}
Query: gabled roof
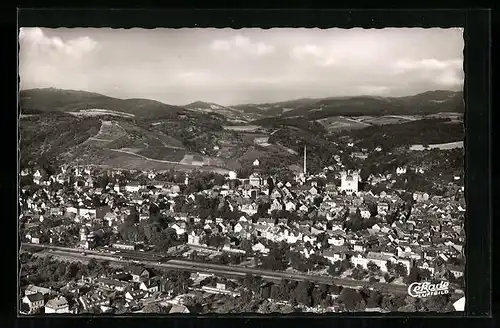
{"x": 135, "y": 270}
{"x": 57, "y": 302}
{"x": 177, "y": 308}
{"x": 35, "y": 297}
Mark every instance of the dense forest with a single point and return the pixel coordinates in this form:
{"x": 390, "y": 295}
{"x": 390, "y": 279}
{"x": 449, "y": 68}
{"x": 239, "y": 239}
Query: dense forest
{"x": 420, "y": 104}
{"x": 300, "y": 123}
{"x": 423, "y": 132}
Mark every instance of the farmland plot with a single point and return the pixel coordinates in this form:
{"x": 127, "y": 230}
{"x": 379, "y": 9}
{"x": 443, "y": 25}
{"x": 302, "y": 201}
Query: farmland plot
{"x": 337, "y": 123}
{"x": 109, "y": 132}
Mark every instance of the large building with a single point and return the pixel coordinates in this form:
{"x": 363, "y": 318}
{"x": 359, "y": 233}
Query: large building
{"x": 86, "y": 238}
{"x": 349, "y": 182}
{"x": 255, "y": 180}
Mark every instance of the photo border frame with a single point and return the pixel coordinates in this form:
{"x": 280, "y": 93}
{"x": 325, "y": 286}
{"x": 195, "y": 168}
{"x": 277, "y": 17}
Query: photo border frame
{"x": 477, "y": 120}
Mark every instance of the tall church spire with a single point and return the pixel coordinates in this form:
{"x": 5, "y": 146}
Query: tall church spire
{"x": 305, "y": 159}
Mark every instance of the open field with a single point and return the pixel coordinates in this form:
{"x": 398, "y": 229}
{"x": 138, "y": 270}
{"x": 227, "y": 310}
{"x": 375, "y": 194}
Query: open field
{"x": 289, "y": 150}
{"x": 100, "y": 112}
{"x": 446, "y": 115}
{"x": 163, "y": 153}
{"x": 242, "y": 128}
{"x": 262, "y": 141}
{"x": 336, "y": 123}
{"x": 129, "y": 161}
{"x": 252, "y": 154}
{"x": 167, "y": 141}
{"x": 389, "y": 119}
{"x": 443, "y": 146}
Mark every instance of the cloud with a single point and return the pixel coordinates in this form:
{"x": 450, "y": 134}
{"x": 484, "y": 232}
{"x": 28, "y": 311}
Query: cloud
{"x": 404, "y": 65}
{"x": 450, "y": 78}
{"x": 35, "y": 42}
{"x": 52, "y": 61}
{"x": 228, "y": 66}
{"x": 221, "y": 45}
{"x": 373, "y": 89}
{"x": 443, "y": 72}
{"x": 242, "y": 44}
{"x": 194, "y": 77}
{"x": 317, "y": 55}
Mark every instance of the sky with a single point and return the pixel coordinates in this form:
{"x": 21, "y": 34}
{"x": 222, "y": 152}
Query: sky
{"x": 229, "y": 67}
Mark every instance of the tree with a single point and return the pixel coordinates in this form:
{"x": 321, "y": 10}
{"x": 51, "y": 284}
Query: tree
{"x": 319, "y": 293}
{"x": 372, "y": 207}
{"x": 152, "y": 232}
{"x": 438, "y": 303}
{"x": 265, "y": 291}
{"x": 279, "y": 291}
{"x": 400, "y": 270}
{"x": 373, "y": 267}
{"x": 270, "y": 184}
{"x": 133, "y": 217}
{"x": 153, "y": 308}
{"x": 374, "y": 299}
{"x": 303, "y": 292}
{"x": 425, "y": 274}
{"x": 358, "y": 273}
{"x": 351, "y": 299}
{"x": 71, "y": 271}
{"x": 388, "y": 278}
{"x": 246, "y": 245}
{"x": 397, "y": 302}
{"x": 252, "y": 282}
{"x": 413, "y": 276}
{"x": 219, "y": 180}
{"x": 167, "y": 239}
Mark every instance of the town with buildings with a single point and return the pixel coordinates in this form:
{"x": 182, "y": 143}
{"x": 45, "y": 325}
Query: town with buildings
{"x": 228, "y": 171}
{"x": 166, "y": 246}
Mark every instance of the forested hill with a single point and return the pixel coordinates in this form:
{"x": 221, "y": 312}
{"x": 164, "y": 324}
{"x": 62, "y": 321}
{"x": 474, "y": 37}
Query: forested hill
{"x": 430, "y": 102}
{"x": 424, "y": 132}
{"x": 57, "y": 100}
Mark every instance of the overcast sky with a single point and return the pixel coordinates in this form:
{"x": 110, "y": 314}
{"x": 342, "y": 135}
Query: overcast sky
{"x": 225, "y": 66}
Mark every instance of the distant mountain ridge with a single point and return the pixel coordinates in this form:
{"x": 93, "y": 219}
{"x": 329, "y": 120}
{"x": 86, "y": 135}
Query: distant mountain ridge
{"x": 58, "y": 100}
{"x": 430, "y": 102}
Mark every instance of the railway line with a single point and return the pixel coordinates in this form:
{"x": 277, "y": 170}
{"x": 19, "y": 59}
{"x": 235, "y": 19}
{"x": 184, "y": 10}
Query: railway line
{"x": 156, "y": 260}
{"x": 159, "y": 260}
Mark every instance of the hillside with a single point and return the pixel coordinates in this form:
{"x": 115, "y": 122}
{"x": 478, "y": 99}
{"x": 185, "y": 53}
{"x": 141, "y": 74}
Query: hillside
{"x": 274, "y": 109}
{"x": 97, "y": 129}
{"x": 420, "y": 104}
{"x": 48, "y": 136}
{"x": 65, "y": 137}
{"x": 57, "y": 100}
{"x": 206, "y": 107}
{"x": 426, "y": 131}
{"x": 188, "y": 141}
{"x": 314, "y": 109}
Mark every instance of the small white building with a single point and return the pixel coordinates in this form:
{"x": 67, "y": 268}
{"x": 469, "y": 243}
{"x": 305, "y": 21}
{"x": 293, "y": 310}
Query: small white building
{"x": 400, "y": 170}
{"x": 57, "y": 305}
{"x": 460, "y": 304}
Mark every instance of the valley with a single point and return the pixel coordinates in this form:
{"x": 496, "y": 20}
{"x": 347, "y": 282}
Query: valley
{"x": 139, "y": 134}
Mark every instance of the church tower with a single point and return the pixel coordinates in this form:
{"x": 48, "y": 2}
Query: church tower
{"x": 305, "y": 159}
